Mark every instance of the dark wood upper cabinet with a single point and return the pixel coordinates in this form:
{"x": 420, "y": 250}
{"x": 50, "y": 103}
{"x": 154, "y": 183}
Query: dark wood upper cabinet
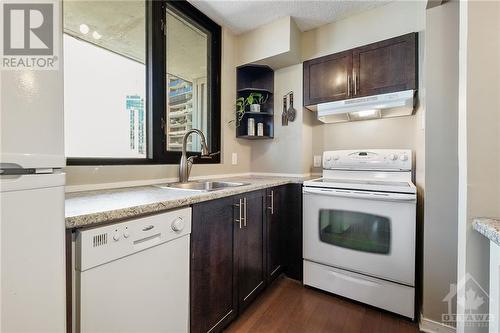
{"x": 327, "y": 78}
{"x": 276, "y": 219}
{"x": 213, "y": 280}
{"x": 383, "y": 67}
{"x": 250, "y": 247}
{"x": 386, "y": 66}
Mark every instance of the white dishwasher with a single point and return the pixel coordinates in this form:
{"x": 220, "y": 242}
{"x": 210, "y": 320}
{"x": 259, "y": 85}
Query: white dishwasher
{"x": 134, "y": 276}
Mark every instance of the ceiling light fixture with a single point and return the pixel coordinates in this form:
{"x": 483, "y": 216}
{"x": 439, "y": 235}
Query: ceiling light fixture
{"x": 84, "y": 29}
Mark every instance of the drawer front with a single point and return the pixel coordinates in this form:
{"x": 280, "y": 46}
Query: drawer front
{"x": 383, "y": 294}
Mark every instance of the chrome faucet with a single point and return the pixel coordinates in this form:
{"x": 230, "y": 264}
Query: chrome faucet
{"x": 186, "y": 163}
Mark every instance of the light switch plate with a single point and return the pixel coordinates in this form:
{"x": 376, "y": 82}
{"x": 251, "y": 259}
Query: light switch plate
{"x": 234, "y": 159}
{"x": 317, "y": 161}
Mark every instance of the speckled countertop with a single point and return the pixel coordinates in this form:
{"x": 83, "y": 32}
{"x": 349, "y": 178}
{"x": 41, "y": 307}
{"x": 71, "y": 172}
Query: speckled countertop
{"x": 488, "y": 227}
{"x": 89, "y": 208}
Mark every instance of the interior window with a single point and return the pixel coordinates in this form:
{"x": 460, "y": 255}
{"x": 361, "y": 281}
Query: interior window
{"x": 105, "y": 79}
{"x": 137, "y": 76}
{"x": 187, "y": 74}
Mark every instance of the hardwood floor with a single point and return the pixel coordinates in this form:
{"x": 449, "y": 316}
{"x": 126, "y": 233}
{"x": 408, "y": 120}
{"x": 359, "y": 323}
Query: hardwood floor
{"x": 287, "y": 306}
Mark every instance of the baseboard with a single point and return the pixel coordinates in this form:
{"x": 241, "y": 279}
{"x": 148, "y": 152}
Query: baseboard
{"x": 431, "y": 326}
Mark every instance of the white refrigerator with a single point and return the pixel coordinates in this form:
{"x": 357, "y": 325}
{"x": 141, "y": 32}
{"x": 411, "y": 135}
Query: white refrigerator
{"x": 32, "y": 230}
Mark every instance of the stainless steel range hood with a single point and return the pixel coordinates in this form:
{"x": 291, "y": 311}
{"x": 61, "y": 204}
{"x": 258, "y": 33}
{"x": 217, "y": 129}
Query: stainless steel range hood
{"x": 401, "y": 103}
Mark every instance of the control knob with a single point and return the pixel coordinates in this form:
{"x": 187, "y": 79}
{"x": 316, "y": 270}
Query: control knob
{"x": 177, "y": 224}
{"x": 116, "y": 237}
{"x": 393, "y": 157}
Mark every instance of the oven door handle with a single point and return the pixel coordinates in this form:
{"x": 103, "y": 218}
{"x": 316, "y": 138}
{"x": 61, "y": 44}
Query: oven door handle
{"x": 381, "y": 196}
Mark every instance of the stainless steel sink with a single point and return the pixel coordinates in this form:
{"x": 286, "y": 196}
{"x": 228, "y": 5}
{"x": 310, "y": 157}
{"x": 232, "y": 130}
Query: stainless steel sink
{"x": 202, "y": 186}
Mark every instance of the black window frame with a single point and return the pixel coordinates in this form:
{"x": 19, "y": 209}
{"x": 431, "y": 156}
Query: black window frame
{"x": 156, "y": 88}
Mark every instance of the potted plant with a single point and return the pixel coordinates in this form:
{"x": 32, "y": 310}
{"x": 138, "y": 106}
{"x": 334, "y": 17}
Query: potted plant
{"x": 254, "y": 100}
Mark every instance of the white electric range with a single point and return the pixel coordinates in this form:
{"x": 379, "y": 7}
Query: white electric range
{"x": 360, "y": 228}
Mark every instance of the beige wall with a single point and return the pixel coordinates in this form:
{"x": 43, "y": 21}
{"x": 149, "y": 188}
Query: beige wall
{"x": 479, "y": 131}
{"x": 398, "y": 18}
{"x": 83, "y": 177}
{"x": 441, "y": 152}
{"x": 276, "y": 44}
{"x": 290, "y": 150}
{"x": 394, "y": 19}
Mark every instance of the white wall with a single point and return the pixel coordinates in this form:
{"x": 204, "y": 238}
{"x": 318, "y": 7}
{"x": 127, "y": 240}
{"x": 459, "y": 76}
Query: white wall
{"x": 441, "y": 152}
{"x": 96, "y": 85}
{"x": 479, "y": 136}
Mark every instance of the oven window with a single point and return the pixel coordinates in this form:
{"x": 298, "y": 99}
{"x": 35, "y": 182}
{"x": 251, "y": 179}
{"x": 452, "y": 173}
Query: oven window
{"x": 355, "y": 230}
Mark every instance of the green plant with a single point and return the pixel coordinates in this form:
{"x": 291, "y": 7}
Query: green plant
{"x": 240, "y": 110}
{"x": 256, "y": 98}
{"x": 242, "y": 102}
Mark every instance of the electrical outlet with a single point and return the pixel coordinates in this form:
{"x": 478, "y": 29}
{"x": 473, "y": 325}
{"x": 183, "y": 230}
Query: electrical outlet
{"x": 317, "y": 161}
{"x": 234, "y": 158}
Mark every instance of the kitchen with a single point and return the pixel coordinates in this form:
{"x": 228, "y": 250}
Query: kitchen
{"x": 171, "y": 173}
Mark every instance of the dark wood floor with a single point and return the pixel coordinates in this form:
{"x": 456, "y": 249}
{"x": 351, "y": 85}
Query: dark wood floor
{"x": 289, "y": 307}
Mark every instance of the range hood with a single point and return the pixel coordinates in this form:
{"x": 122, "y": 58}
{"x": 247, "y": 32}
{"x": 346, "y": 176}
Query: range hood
{"x": 395, "y": 104}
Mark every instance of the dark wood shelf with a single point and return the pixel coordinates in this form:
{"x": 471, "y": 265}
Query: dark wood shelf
{"x": 259, "y": 113}
{"x": 256, "y": 78}
{"x": 254, "y": 90}
{"x": 254, "y": 137}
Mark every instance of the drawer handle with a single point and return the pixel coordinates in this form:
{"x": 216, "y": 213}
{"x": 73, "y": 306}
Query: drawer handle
{"x": 353, "y": 279}
{"x": 149, "y": 227}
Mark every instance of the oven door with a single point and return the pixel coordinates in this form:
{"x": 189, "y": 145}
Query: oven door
{"x": 367, "y": 232}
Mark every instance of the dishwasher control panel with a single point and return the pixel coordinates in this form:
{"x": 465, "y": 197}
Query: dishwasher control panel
{"x": 100, "y": 245}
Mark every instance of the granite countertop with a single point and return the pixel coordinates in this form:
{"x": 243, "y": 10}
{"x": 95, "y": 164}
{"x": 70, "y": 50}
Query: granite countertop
{"x": 89, "y": 208}
{"x": 488, "y": 227}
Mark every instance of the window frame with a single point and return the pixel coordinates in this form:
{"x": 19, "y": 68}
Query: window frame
{"x": 156, "y": 89}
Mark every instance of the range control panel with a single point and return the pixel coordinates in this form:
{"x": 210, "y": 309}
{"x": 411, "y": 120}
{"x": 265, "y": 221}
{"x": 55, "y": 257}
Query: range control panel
{"x": 371, "y": 159}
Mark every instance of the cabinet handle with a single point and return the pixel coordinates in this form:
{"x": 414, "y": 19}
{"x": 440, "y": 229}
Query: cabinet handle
{"x": 245, "y": 211}
{"x": 355, "y": 84}
{"x": 348, "y": 86}
{"x": 240, "y": 206}
{"x": 272, "y": 202}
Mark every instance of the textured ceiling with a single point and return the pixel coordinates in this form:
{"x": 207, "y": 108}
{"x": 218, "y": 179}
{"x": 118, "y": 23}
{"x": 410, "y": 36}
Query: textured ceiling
{"x": 121, "y": 26}
{"x": 241, "y": 15}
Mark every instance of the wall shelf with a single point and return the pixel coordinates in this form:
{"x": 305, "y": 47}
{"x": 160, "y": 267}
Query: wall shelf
{"x": 255, "y": 137}
{"x": 256, "y": 78}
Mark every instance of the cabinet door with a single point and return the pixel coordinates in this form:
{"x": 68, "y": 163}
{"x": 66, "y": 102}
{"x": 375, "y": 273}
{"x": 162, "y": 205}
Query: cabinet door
{"x": 250, "y": 247}
{"x": 276, "y": 219}
{"x": 386, "y": 66}
{"x": 293, "y": 234}
{"x": 213, "y": 292}
{"x": 327, "y": 78}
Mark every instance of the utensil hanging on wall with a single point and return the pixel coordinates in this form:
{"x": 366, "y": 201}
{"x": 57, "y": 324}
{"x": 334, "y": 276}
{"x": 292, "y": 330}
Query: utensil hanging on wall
{"x": 291, "y": 112}
{"x": 284, "y": 114}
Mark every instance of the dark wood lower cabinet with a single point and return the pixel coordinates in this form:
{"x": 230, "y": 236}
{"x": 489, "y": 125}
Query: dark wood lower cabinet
{"x": 276, "y": 220}
{"x": 250, "y": 247}
{"x": 213, "y": 292}
{"x": 237, "y": 249}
